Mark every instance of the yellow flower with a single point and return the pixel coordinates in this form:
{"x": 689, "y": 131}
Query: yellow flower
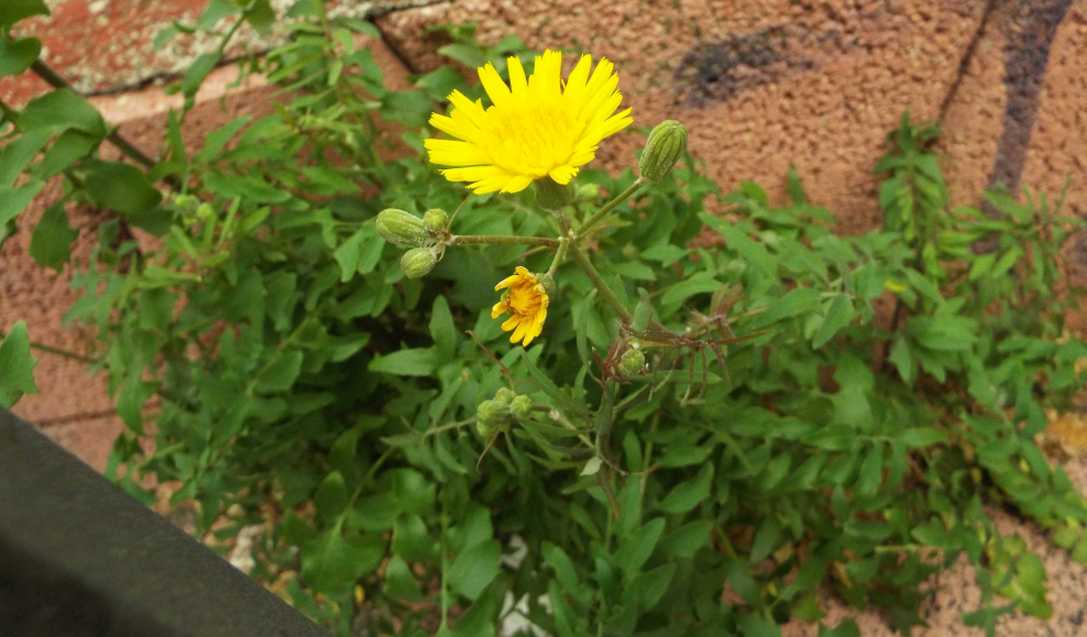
{"x": 536, "y": 127}
{"x": 526, "y": 302}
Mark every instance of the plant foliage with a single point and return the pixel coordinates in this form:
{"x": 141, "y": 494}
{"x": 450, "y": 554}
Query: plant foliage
{"x": 805, "y": 410}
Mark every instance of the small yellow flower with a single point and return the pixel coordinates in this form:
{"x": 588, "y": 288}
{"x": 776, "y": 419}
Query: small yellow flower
{"x": 526, "y": 302}
{"x": 536, "y": 127}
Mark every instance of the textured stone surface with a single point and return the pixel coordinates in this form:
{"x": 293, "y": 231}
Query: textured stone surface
{"x": 109, "y": 45}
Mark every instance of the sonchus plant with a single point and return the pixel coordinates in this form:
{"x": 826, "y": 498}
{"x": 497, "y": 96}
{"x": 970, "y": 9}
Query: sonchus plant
{"x": 484, "y": 384}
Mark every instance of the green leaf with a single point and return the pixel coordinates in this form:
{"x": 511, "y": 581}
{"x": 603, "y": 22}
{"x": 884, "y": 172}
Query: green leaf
{"x": 406, "y": 362}
{"x": 688, "y": 495}
{"x": 474, "y": 569}
{"x": 903, "y": 361}
{"x": 121, "y": 187}
{"x": 331, "y": 563}
{"x": 331, "y": 497}
{"x": 838, "y": 316}
{"x": 565, "y": 572}
{"x": 14, "y": 200}
{"x": 11, "y": 11}
{"x": 400, "y": 583}
{"x": 253, "y": 188}
{"x": 442, "y": 329}
{"x": 16, "y": 56}
{"x": 52, "y": 239}
{"x": 921, "y": 437}
{"x": 411, "y": 108}
{"x": 15, "y": 155}
{"x": 61, "y": 110}
{"x": 871, "y": 473}
{"x": 688, "y": 539}
{"x": 410, "y": 538}
{"x": 347, "y": 256}
{"x": 767, "y": 539}
{"x": 467, "y": 54}
{"x": 280, "y": 375}
{"x": 699, "y": 283}
{"x": 796, "y": 302}
{"x": 635, "y": 550}
{"x": 16, "y": 366}
{"x": 198, "y": 71}
{"x": 70, "y": 147}
{"x": 753, "y": 625}
{"x": 749, "y": 250}
{"x": 651, "y": 586}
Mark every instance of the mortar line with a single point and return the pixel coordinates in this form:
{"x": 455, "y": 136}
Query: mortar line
{"x": 968, "y": 55}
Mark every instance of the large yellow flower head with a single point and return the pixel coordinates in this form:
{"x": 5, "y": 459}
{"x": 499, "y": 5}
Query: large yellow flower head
{"x": 536, "y": 127}
{"x": 525, "y": 299}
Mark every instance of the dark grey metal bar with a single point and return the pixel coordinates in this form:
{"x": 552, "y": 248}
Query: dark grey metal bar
{"x": 80, "y": 558}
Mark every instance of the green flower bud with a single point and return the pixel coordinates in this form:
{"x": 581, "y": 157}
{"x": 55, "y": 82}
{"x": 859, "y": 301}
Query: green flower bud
{"x": 551, "y": 195}
{"x": 632, "y": 362}
{"x": 588, "y": 192}
{"x": 491, "y": 416}
{"x": 504, "y": 396}
{"x": 436, "y": 220}
{"x": 521, "y": 407}
{"x": 418, "y": 262}
{"x": 402, "y": 228}
{"x": 204, "y": 212}
{"x": 663, "y": 148}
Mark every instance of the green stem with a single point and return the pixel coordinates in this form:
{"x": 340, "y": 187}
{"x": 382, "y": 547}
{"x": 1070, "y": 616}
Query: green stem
{"x": 601, "y": 287}
{"x": 51, "y": 77}
{"x": 560, "y": 256}
{"x": 608, "y": 207}
{"x": 500, "y": 239}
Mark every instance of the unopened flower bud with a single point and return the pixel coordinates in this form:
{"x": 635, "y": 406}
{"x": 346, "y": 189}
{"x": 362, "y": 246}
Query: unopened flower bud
{"x": 665, "y": 145}
{"x": 588, "y": 192}
{"x": 551, "y": 195}
{"x": 401, "y": 228}
{"x": 204, "y": 212}
{"x": 436, "y": 220}
{"x": 491, "y": 415}
{"x": 521, "y": 407}
{"x": 418, "y": 262}
{"x": 504, "y": 396}
{"x": 632, "y": 362}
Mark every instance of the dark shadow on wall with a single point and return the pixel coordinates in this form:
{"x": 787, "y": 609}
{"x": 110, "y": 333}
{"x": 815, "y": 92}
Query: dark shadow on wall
{"x": 1031, "y": 26}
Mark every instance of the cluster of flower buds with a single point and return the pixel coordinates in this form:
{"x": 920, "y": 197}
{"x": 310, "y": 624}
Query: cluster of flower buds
{"x": 496, "y": 414}
{"x": 423, "y": 238}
